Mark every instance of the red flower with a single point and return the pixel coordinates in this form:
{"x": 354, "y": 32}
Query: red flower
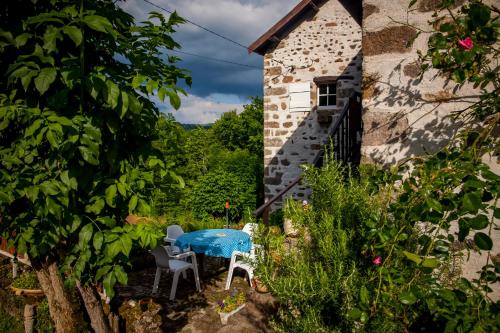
{"x": 466, "y": 43}
{"x": 377, "y": 261}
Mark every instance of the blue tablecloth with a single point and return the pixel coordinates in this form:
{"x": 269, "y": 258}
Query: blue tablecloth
{"x": 215, "y": 242}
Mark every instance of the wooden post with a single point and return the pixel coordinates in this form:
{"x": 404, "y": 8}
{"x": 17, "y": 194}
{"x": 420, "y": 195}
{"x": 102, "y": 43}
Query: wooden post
{"x": 15, "y": 267}
{"x": 265, "y": 216}
{"x": 29, "y": 318}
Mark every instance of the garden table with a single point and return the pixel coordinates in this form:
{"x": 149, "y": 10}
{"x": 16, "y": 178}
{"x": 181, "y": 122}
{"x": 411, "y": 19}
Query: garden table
{"x": 215, "y": 242}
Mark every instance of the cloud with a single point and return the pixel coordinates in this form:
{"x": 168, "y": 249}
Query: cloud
{"x": 204, "y": 110}
{"x": 241, "y": 20}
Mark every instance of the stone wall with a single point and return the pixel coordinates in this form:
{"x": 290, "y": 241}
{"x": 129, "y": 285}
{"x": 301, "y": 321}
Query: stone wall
{"x": 403, "y": 115}
{"x": 326, "y": 43}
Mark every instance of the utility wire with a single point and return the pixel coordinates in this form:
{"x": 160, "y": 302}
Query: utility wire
{"x": 215, "y": 59}
{"x": 199, "y": 26}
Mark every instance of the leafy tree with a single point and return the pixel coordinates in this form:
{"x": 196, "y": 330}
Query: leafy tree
{"x": 242, "y": 130}
{"x": 76, "y": 133}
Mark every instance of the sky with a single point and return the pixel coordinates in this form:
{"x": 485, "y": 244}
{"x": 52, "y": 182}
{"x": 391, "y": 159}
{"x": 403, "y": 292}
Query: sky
{"x": 217, "y": 87}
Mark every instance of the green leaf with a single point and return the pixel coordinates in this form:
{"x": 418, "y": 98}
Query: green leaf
{"x": 21, "y": 40}
{"x": 479, "y": 222}
{"x": 52, "y": 34}
{"x": 46, "y": 77}
{"x": 33, "y": 127}
{"x": 108, "y": 283}
{"x": 407, "y": 297}
{"x": 472, "y": 202}
{"x": 121, "y": 189}
{"x": 430, "y": 263}
{"x": 125, "y": 104}
{"x": 113, "y": 93}
{"x": 98, "y": 23}
{"x": 61, "y": 120}
{"x": 354, "y": 313}
{"x": 413, "y": 257}
{"x": 111, "y": 195}
{"x": 52, "y": 139}
{"x": 85, "y": 235}
{"x": 88, "y": 156}
{"x": 96, "y": 207}
{"x": 74, "y": 33}
{"x": 161, "y": 94}
{"x": 364, "y": 297}
{"x": 175, "y": 100}
{"x": 132, "y": 203}
{"x": 102, "y": 271}
{"x": 479, "y": 14}
{"x": 496, "y": 213}
{"x": 434, "y": 204}
{"x": 483, "y": 241}
{"x": 49, "y": 188}
{"x": 26, "y": 79}
{"x": 120, "y": 274}
{"x": 98, "y": 240}
{"x": 138, "y": 80}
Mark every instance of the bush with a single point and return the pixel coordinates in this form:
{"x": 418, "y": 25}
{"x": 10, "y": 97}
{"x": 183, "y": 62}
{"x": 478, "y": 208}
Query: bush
{"x": 209, "y": 195}
{"x": 360, "y": 263}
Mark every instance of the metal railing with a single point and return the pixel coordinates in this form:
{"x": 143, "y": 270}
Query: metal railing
{"x": 345, "y": 135}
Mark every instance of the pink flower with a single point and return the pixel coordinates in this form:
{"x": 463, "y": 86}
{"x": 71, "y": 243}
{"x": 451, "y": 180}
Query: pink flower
{"x": 466, "y": 43}
{"x": 377, "y": 261}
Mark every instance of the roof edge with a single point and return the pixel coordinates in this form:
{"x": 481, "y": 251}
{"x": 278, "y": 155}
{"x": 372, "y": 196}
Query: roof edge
{"x": 259, "y": 45}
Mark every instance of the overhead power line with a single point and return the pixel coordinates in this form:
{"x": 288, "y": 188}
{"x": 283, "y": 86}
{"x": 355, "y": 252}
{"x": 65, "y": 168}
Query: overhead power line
{"x": 199, "y": 26}
{"x": 217, "y": 60}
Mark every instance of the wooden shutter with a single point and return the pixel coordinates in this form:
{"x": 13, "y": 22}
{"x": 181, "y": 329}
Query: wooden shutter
{"x": 300, "y": 97}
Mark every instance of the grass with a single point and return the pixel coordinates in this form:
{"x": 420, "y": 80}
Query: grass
{"x": 9, "y": 324}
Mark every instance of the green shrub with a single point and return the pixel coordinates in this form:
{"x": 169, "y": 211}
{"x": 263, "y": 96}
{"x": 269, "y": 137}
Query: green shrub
{"x": 43, "y": 321}
{"x": 209, "y": 195}
{"x": 27, "y": 280}
{"x": 363, "y": 262}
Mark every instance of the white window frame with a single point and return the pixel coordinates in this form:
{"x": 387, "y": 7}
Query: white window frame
{"x": 327, "y": 84}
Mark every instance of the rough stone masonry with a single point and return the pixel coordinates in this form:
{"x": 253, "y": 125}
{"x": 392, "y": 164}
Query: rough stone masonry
{"x": 326, "y": 44}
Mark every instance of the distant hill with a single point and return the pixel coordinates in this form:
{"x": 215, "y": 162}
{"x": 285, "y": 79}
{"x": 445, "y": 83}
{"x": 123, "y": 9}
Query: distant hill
{"x": 189, "y": 127}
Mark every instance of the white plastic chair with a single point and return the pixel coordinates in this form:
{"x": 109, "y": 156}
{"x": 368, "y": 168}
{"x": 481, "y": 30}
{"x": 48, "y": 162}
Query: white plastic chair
{"x": 173, "y": 231}
{"x": 174, "y": 263}
{"x": 250, "y": 228}
{"x": 245, "y": 261}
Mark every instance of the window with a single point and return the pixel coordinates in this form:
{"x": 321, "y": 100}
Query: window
{"x": 327, "y": 95}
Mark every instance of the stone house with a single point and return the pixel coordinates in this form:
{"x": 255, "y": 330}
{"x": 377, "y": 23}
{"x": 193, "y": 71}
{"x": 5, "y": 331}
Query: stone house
{"x": 321, "y": 52}
{"x": 312, "y": 63}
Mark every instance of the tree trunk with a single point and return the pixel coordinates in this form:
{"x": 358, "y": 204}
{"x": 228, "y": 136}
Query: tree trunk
{"x": 93, "y": 304}
{"x": 62, "y": 310}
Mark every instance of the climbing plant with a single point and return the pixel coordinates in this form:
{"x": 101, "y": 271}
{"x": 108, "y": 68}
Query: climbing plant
{"x": 76, "y": 133}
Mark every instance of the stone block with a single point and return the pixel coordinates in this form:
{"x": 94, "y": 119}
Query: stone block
{"x": 383, "y": 127}
{"x": 275, "y": 180}
{"x": 273, "y": 142}
{"x": 275, "y": 91}
{"x": 273, "y": 71}
{"x": 388, "y": 40}
{"x": 271, "y": 124}
{"x": 287, "y": 124}
{"x": 369, "y": 9}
